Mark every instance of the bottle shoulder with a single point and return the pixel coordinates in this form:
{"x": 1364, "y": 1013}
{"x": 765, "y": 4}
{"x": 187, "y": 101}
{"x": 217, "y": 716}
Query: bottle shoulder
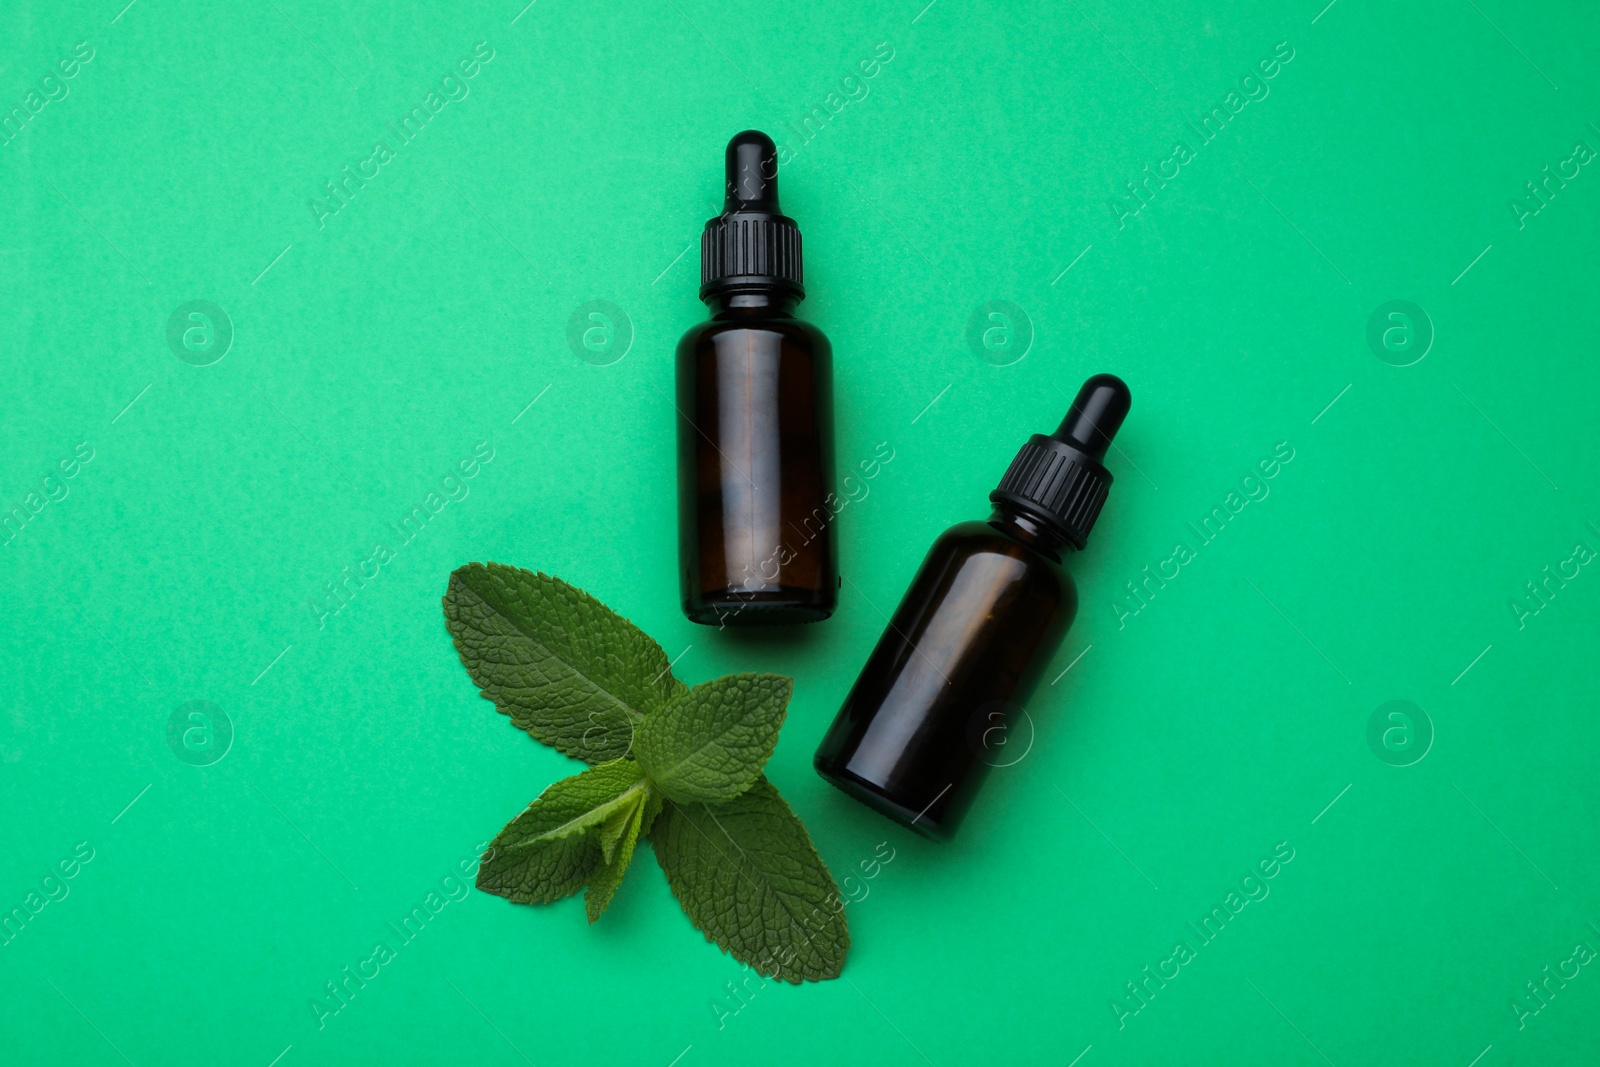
{"x": 794, "y": 331}
{"x": 980, "y": 538}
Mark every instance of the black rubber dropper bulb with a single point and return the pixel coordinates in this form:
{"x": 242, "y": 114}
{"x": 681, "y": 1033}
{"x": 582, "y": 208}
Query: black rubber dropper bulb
{"x": 1095, "y": 416}
{"x": 752, "y": 173}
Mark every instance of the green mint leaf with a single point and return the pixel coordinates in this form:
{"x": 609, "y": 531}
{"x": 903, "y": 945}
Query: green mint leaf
{"x": 608, "y": 876}
{"x": 616, "y": 824}
{"x": 616, "y": 827}
{"x": 563, "y": 666}
{"x": 710, "y": 743}
{"x": 549, "y": 851}
{"x": 749, "y": 878}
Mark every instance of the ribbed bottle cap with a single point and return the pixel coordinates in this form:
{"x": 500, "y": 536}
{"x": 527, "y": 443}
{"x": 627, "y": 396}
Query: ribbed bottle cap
{"x": 1061, "y": 479}
{"x": 752, "y": 244}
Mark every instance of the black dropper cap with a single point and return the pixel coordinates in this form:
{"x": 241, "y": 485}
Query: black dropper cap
{"x": 752, "y": 245}
{"x": 1061, "y": 479}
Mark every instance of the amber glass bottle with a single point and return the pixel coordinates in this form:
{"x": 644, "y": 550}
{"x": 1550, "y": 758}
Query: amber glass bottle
{"x": 937, "y": 703}
{"x": 755, "y": 419}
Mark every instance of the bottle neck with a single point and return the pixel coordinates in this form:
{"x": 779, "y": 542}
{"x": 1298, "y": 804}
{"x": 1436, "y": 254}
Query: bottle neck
{"x": 1036, "y": 534}
{"x": 764, "y": 302}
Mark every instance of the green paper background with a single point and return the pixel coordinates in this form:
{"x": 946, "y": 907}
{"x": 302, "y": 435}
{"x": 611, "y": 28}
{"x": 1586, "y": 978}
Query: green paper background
{"x": 374, "y": 348}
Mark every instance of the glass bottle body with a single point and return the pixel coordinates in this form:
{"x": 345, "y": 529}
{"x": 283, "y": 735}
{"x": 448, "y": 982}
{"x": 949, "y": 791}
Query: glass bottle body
{"x": 941, "y": 698}
{"x": 755, "y": 466}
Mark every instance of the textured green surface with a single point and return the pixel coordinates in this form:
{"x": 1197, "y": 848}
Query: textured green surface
{"x": 255, "y": 780}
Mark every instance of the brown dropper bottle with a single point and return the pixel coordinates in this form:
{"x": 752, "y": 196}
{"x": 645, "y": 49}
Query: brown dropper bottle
{"x": 755, "y": 419}
{"x": 984, "y": 614}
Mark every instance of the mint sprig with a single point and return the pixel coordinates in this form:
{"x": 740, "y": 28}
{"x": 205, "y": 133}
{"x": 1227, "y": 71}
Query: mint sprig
{"x": 680, "y": 766}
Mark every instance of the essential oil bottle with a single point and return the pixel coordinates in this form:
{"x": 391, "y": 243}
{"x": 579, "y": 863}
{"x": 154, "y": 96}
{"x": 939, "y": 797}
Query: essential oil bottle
{"x": 931, "y": 709}
{"x": 755, "y": 419}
